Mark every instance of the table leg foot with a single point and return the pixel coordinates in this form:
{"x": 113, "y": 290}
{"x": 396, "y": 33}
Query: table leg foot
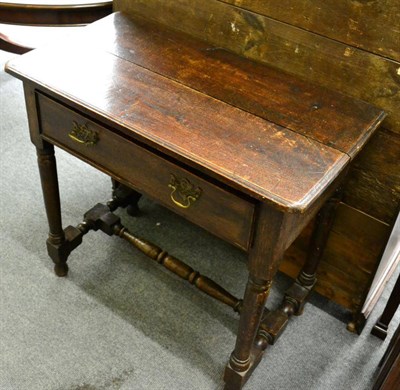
{"x": 235, "y": 380}
{"x": 380, "y": 330}
{"x": 57, "y": 250}
{"x": 57, "y": 253}
{"x": 61, "y": 270}
{"x": 357, "y": 324}
{"x": 60, "y": 249}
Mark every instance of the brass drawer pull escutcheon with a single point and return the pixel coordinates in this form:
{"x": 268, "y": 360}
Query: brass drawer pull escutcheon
{"x": 185, "y": 190}
{"x": 83, "y": 135}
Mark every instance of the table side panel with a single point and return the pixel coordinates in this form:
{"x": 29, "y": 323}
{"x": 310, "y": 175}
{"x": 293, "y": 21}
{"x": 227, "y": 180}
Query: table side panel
{"x": 217, "y": 210}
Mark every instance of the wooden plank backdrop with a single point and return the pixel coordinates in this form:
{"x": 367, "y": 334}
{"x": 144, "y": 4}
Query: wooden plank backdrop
{"x": 366, "y": 24}
{"x": 350, "y": 46}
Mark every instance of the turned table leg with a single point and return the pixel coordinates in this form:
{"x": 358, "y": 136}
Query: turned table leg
{"x": 298, "y": 293}
{"x": 51, "y": 196}
{"x": 273, "y": 323}
{"x": 259, "y": 327}
{"x": 319, "y": 238}
{"x": 263, "y": 261}
{"x": 124, "y": 196}
{"x": 253, "y": 307}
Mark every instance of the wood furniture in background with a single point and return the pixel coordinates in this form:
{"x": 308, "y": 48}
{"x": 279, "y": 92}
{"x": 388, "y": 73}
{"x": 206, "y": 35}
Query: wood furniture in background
{"x": 388, "y": 377}
{"x": 382, "y": 325}
{"x": 44, "y": 13}
{"x": 346, "y": 46}
{"x": 247, "y": 152}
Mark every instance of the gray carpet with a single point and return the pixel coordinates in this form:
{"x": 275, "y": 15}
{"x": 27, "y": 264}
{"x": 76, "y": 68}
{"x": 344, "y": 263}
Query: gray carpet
{"x": 118, "y": 321}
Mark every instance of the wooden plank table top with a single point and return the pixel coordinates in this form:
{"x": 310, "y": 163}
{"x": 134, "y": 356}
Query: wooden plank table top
{"x": 282, "y": 141}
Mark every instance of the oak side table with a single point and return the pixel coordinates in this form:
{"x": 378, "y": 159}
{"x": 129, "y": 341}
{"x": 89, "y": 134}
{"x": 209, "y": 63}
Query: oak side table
{"x": 245, "y": 151}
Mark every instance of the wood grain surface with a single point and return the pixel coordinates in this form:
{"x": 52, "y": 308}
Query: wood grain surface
{"x": 311, "y": 56}
{"x": 145, "y": 170}
{"x": 349, "y": 46}
{"x": 306, "y": 108}
{"x": 374, "y": 179}
{"x": 249, "y": 153}
{"x": 346, "y": 292}
{"x": 370, "y": 25}
{"x": 323, "y": 115}
{"x": 355, "y": 242}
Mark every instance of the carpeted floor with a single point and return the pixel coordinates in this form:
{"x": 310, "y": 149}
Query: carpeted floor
{"x": 118, "y": 321}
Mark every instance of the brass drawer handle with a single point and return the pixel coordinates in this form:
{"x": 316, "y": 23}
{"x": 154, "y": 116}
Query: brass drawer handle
{"x": 83, "y": 135}
{"x": 186, "y": 192}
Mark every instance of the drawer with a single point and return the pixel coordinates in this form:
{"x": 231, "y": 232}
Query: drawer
{"x": 208, "y": 205}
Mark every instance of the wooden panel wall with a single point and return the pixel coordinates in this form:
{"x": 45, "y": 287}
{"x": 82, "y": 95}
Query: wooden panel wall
{"x": 366, "y": 24}
{"x": 348, "y": 45}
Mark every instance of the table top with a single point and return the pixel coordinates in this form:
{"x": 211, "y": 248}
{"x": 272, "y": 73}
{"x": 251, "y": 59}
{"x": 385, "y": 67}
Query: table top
{"x": 254, "y": 128}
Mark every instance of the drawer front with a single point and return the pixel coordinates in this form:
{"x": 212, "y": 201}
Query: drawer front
{"x": 207, "y": 205}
